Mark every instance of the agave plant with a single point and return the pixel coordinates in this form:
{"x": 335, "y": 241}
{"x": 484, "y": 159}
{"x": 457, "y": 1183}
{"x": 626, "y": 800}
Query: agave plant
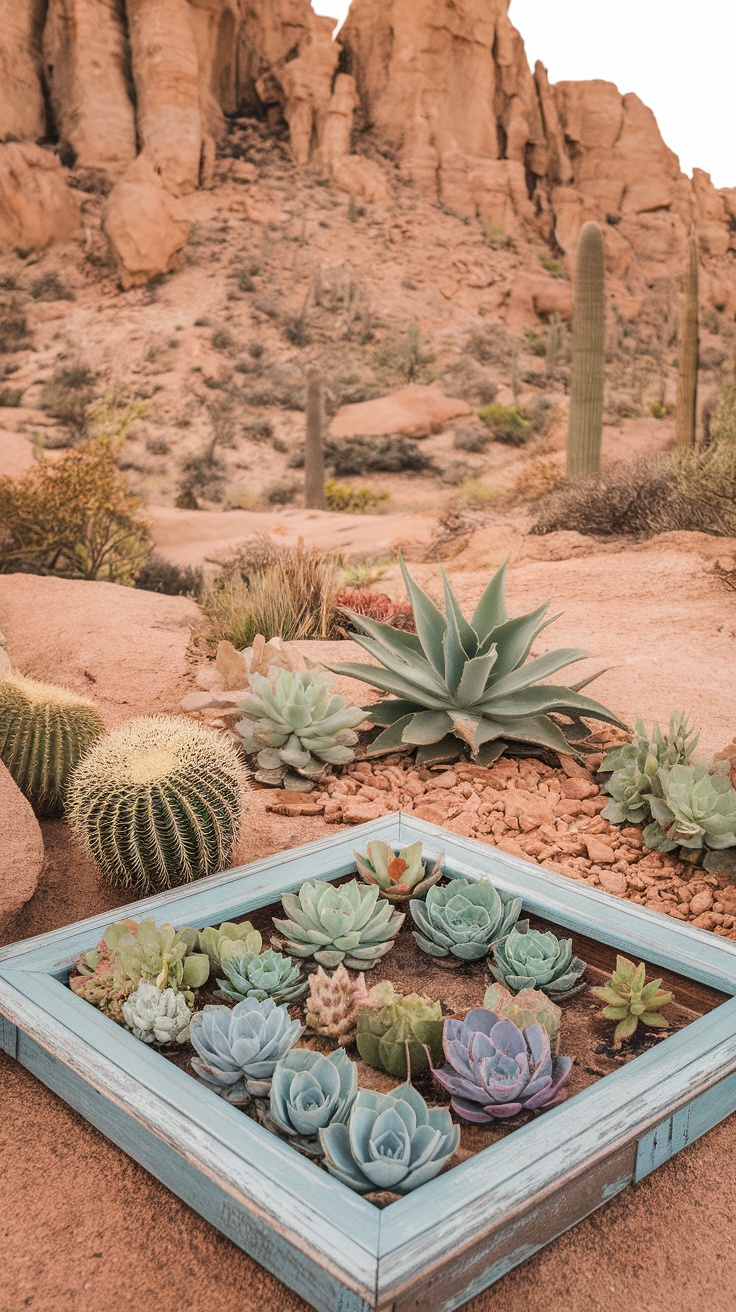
{"x": 530, "y": 959}
{"x": 339, "y": 923}
{"x": 403, "y": 1038}
{"x": 334, "y": 1003}
{"x": 230, "y": 940}
{"x": 297, "y": 727}
{"x": 466, "y": 682}
{"x": 697, "y": 809}
{"x": 157, "y": 1015}
{"x": 529, "y": 1007}
{"x": 147, "y": 951}
{"x": 495, "y": 1070}
{"x": 238, "y": 1047}
{"x": 264, "y": 975}
{"x": 392, "y": 1141}
{"x": 310, "y": 1092}
{"x": 634, "y": 767}
{"x": 400, "y": 873}
{"x": 630, "y": 999}
{"x": 463, "y": 919}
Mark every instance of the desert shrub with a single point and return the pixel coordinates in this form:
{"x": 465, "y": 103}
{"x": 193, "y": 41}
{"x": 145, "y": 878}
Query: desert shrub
{"x": 293, "y": 597}
{"x": 535, "y": 342}
{"x": 722, "y": 427}
{"x": 68, "y": 396}
{"x": 472, "y": 440}
{"x": 282, "y": 493}
{"x": 540, "y": 412}
{"x": 490, "y": 344}
{"x": 14, "y": 331}
{"x": 475, "y": 495}
{"x": 554, "y": 267}
{"x": 51, "y": 287}
{"x": 470, "y": 381}
{"x": 222, "y": 340}
{"x": 376, "y": 606}
{"x": 258, "y": 430}
{"x": 401, "y": 356}
{"x": 76, "y": 518}
{"x": 507, "y": 423}
{"x": 161, "y": 575}
{"x": 351, "y": 456}
{"x": 538, "y": 479}
{"x": 361, "y": 575}
{"x": 252, "y": 556}
{"x": 457, "y": 472}
{"x": 341, "y": 496}
{"x": 157, "y": 446}
{"x": 201, "y": 476}
{"x": 660, "y": 410}
{"x": 691, "y": 490}
{"x": 497, "y": 238}
{"x": 10, "y": 396}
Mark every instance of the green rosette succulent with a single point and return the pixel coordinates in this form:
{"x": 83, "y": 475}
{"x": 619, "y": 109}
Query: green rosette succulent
{"x": 529, "y": 1007}
{"x": 296, "y": 726}
{"x": 159, "y": 953}
{"x": 391, "y": 1141}
{"x": 697, "y": 809}
{"x": 310, "y": 1091}
{"x": 157, "y": 1015}
{"x": 634, "y": 767}
{"x": 400, "y": 873}
{"x": 230, "y": 940}
{"x": 530, "y": 959}
{"x": 263, "y": 975}
{"x": 335, "y": 923}
{"x": 404, "y": 1038}
{"x": 630, "y": 999}
{"x": 463, "y": 919}
{"x": 462, "y": 684}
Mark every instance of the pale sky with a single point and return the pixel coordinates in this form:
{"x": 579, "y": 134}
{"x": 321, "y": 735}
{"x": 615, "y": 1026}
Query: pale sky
{"x": 677, "y": 55}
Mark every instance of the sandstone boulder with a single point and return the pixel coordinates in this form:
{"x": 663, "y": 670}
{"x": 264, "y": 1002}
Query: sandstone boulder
{"x": 22, "y": 110}
{"x": 413, "y": 411}
{"x": 144, "y": 225}
{"x": 36, "y": 205}
{"x": 85, "y": 52}
{"x": 21, "y": 854}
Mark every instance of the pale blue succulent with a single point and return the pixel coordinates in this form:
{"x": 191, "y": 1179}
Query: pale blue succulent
{"x": 634, "y": 767}
{"x": 392, "y": 1141}
{"x": 263, "y": 975}
{"x": 336, "y": 923}
{"x": 463, "y": 919}
{"x": 309, "y": 1092}
{"x": 530, "y": 959}
{"x": 238, "y": 1047}
{"x": 695, "y": 809}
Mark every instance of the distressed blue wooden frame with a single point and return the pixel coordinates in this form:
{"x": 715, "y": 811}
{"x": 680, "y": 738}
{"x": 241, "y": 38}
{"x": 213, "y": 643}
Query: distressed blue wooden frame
{"x": 438, "y": 1247}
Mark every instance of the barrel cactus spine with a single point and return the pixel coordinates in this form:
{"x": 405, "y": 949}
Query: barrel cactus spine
{"x": 44, "y": 733}
{"x": 687, "y": 367}
{"x": 158, "y": 803}
{"x": 588, "y": 351}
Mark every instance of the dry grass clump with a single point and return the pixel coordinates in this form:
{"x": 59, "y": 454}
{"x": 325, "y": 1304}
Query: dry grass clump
{"x": 538, "y": 479}
{"x": 694, "y": 490}
{"x": 286, "y": 592}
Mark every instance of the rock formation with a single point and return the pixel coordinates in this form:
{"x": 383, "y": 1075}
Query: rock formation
{"x": 144, "y": 224}
{"x": 21, "y": 854}
{"x": 36, "y": 205}
{"x": 443, "y": 86}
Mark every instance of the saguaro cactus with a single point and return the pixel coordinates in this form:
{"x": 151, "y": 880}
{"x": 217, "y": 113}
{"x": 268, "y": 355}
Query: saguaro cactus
{"x": 588, "y": 345}
{"x": 314, "y": 460}
{"x": 687, "y": 368}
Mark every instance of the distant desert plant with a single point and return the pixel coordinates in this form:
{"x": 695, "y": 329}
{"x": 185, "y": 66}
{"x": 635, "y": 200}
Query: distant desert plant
{"x": 291, "y": 597}
{"x": 694, "y": 489}
{"x": 474, "y": 494}
{"x": 350, "y": 457}
{"x": 161, "y": 575}
{"x": 75, "y": 517}
{"x": 359, "y": 500}
{"x": 376, "y": 606}
{"x": 51, "y": 287}
{"x": 68, "y": 396}
{"x": 14, "y": 331}
{"x": 538, "y": 479}
{"x": 507, "y": 423}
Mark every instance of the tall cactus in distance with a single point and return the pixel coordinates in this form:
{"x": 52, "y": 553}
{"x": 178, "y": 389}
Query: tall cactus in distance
{"x": 314, "y": 460}
{"x": 687, "y": 367}
{"x": 588, "y": 348}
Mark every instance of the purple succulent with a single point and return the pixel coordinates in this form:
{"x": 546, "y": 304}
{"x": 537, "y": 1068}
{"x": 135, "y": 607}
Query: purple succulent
{"x": 495, "y": 1070}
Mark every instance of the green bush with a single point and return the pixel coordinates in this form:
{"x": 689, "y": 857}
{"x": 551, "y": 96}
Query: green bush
{"x": 14, "y": 332}
{"x": 554, "y": 267}
{"x": 341, "y": 496}
{"x": 507, "y": 423}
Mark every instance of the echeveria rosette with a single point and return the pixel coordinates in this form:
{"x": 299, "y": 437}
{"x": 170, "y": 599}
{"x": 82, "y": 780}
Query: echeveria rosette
{"x": 263, "y": 975}
{"x": 160, "y": 953}
{"x": 630, "y": 999}
{"x": 462, "y": 683}
{"x": 463, "y": 919}
{"x": 403, "y": 1038}
{"x": 532, "y": 959}
{"x": 297, "y": 726}
{"x": 529, "y": 1007}
{"x": 238, "y": 1047}
{"x": 696, "y": 809}
{"x": 634, "y": 767}
{"x": 399, "y": 872}
{"x": 157, "y": 1015}
{"x": 309, "y": 1092}
{"x": 494, "y": 1070}
{"x": 392, "y": 1141}
{"x": 339, "y": 923}
{"x": 229, "y": 940}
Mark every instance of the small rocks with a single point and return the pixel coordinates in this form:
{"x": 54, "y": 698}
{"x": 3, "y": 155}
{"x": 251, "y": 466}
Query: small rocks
{"x": 613, "y": 881}
{"x": 701, "y": 902}
{"x": 599, "y": 852}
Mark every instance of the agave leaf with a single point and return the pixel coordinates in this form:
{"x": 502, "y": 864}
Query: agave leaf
{"x": 539, "y": 668}
{"x": 392, "y": 737}
{"x": 514, "y": 638}
{"x": 537, "y": 729}
{"x": 387, "y": 713}
{"x": 466, "y": 727}
{"x": 547, "y": 697}
{"x": 491, "y": 611}
{"x": 420, "y": 672}
{"x": 450, "y": 749}
{"x": 455, "y": 656}
{"x": 474, "y": 678}
{"x": 397, "y": 640}
{"x": 427, "y": 727}
{"x": 490, "y": 752}
{"x": 468, "y": 636}
{"x": 388, "y": 682}
{"x": 430, "y": 621}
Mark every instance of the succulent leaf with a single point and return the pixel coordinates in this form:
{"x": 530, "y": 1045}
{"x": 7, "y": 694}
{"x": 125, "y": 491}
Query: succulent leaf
{"x": 391, "y": 1141}
{"x": 696, "y": 809}
{"x": 403, "y": 1038}
{"x": 160, "y": 953}
{"x": 530, "y": 959}
{"x": 462, "y": 919}
{"x": 230, "y": 940}
{"x": 494, "y": 1070}
{"x": 529, "y": 1007}
{"x": 155, "y": 1015}
{"x": 264, "y": 975}
{"x": 296, "y": 727}
{"x": 335, "y": 924}
{"x": 310, "y": 1092}
{"x": 630, "y": 999}
{"x": 634, "y": 767}
{"x": 400, "y": 873}
{"x": 238, "y": 1047}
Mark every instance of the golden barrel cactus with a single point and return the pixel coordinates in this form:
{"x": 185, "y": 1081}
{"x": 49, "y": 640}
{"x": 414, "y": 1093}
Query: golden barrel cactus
{"x": 44, "y": 733}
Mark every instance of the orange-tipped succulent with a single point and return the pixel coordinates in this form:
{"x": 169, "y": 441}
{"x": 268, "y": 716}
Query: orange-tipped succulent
{"x": 401, "y": 874}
